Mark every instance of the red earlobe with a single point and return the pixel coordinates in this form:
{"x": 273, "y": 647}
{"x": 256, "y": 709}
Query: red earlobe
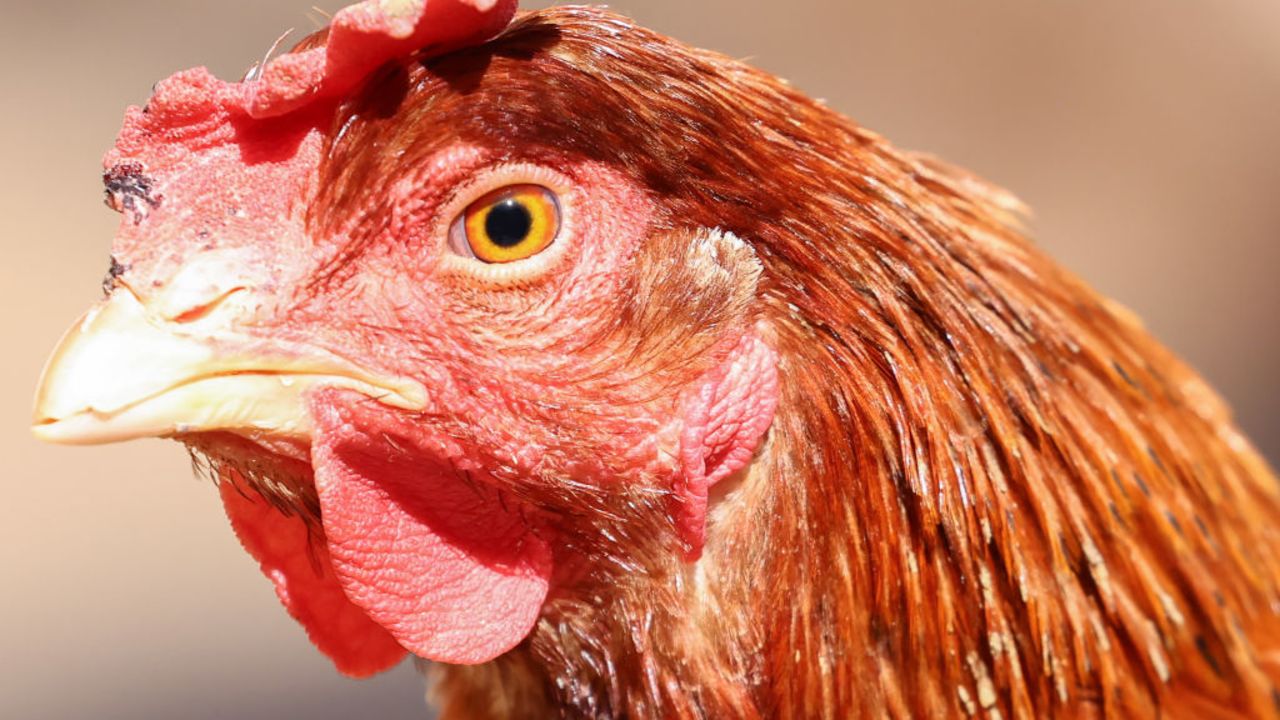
{"x": 726, "y": 416}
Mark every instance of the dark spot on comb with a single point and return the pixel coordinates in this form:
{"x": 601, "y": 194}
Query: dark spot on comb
{"x": 1173, "y": 521}
{"x": 116, "y": 270}
{"x": 128, "y": 189}
{"x": 1275, "y": 698}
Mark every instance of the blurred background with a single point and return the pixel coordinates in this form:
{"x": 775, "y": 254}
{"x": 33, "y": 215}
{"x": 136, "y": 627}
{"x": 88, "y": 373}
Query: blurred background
{"x": 1144, "y": 134}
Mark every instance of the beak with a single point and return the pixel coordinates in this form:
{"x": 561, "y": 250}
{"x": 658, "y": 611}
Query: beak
{"x": 123, "y": 372}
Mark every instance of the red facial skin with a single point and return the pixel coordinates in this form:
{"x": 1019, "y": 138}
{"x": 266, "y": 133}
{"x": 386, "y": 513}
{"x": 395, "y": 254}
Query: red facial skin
{"x": 436, "y": 525}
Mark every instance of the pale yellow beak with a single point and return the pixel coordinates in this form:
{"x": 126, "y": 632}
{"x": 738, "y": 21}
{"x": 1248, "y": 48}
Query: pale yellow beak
{"x": 123, "y": 372}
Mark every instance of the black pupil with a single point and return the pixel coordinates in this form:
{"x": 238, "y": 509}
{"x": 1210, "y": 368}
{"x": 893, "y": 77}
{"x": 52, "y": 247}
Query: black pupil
{"x": 508, "y": 223}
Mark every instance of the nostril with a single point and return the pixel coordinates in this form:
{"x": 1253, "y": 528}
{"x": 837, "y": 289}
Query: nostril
{"x": 203, "y": 310}
{"x": 218, "y": 282}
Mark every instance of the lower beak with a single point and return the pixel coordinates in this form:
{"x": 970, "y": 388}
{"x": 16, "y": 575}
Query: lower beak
{"x": 121, "y": 373}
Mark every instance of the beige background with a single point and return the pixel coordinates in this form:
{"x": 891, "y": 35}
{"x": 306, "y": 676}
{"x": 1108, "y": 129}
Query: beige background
{"x": 1145, "y": 133}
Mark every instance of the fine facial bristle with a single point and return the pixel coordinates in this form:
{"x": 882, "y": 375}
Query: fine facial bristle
{"x": 286, "y": 484}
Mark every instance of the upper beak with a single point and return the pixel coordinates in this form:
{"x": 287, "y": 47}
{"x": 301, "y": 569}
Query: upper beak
{"x": 123, "y": 372}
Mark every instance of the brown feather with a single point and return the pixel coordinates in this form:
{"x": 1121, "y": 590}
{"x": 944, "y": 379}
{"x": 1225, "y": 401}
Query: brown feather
{"x": 987, "y": 490}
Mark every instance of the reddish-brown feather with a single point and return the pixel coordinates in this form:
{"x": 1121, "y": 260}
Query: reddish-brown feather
{"x": 987, "y": 489}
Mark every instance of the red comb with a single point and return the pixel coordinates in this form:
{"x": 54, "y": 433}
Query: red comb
{"x": 190, "y": 110}
{"x": 364, "y": 36}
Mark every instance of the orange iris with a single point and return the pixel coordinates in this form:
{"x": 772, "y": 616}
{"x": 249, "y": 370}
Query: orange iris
{"x": 512, "y": 223}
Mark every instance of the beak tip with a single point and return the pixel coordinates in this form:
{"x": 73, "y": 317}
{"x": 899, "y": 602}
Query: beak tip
{"x": 78, "y": 430}
{"x": 47, "y": 423}
{"x": 41, "y": 418}
{"x": 52, "y": 431}
{"x": 47, "y": 432}
{"x": 123, "y": 375}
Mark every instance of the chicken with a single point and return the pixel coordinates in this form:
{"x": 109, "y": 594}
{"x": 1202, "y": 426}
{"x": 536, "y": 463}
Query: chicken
{"x": 621, "y": 380}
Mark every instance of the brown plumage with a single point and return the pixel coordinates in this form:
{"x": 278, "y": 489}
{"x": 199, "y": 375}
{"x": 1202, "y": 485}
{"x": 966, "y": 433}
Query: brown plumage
{"x": 986, "y": 491}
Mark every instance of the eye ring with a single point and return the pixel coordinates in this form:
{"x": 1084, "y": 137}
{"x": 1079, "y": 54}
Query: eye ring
{"x": 488, "y": 180}
{"x": 507, "y": 225}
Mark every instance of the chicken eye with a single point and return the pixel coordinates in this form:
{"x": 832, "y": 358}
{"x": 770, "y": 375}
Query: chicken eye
{"x": 509, "y": 224}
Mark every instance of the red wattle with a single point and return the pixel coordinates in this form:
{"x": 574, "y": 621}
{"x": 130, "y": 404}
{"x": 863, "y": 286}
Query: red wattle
{"x": 304, "y": 582}
{"x": 452, "y": 571}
